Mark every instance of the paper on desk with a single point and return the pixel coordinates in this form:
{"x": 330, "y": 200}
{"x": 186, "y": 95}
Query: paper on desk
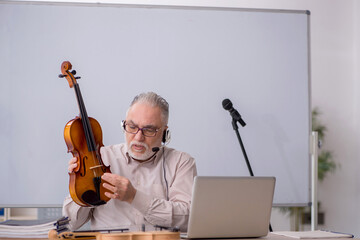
{"x": 313, "y": 234}
{"x": 25, "y": 229}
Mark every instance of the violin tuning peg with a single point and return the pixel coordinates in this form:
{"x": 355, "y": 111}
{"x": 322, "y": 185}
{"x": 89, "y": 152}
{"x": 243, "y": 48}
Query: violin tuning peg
{"x": 73, "y": 72}
{"x": 61, "y": 76}
{"x": 77, "y": 77}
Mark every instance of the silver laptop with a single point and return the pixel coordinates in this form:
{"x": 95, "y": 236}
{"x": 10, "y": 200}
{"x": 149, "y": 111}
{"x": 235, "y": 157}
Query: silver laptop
{"x": 230, "y": 207}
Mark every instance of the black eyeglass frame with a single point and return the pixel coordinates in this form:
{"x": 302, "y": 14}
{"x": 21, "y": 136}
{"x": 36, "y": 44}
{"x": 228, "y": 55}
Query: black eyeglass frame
{"x": 139, "y": 129}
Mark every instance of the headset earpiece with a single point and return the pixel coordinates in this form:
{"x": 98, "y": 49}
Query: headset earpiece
{"x": 166, "y": 136}
{"x": 123, "y": 124}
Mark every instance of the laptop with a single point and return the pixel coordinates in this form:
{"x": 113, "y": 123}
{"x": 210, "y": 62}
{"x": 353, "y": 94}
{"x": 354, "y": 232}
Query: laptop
{"x": 230, "y": 207}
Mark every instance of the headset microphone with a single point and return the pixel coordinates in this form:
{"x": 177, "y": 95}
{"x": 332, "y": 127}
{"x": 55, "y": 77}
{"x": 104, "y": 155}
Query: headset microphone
{"x": 155, "y": 149}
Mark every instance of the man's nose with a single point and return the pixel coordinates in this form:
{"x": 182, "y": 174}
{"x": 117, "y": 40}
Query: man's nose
{"x": 139, "y": 135}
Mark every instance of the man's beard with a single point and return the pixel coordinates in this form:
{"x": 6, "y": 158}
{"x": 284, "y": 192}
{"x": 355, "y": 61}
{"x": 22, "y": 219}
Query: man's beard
{"x": 143, "y": 156}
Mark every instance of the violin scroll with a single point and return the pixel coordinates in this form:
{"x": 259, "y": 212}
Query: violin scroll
{"x": 70, "y": 76}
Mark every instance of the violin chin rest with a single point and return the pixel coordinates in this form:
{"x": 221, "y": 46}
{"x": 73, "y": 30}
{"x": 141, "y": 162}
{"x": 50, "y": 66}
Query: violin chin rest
{"x": 92, "y": 198}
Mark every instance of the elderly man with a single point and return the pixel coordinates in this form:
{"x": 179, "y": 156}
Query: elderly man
{"x": 149, "y": 183}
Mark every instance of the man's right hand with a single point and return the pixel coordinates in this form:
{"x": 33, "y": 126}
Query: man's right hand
{"x": 72, "y": 164}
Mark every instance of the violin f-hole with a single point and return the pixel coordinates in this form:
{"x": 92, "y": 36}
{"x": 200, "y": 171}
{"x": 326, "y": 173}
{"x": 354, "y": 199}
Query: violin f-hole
{"x": 84, "y": 168}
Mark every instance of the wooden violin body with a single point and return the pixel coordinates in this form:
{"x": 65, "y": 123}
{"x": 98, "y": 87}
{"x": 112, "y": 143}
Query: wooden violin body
{"x": 83, "y": 137}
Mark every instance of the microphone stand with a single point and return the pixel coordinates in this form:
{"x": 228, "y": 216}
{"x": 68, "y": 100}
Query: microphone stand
{"x": 236, "y": 129}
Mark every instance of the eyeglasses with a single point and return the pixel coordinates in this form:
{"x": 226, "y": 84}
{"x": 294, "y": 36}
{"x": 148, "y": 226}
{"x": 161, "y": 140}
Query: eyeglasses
{"x": 146, "y": 131}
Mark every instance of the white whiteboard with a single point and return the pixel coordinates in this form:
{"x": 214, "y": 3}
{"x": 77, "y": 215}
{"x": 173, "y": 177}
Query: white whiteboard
{"x": 193, "y": 57}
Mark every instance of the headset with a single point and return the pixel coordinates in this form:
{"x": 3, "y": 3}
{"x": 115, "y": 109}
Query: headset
{"x": 166, "y": 136}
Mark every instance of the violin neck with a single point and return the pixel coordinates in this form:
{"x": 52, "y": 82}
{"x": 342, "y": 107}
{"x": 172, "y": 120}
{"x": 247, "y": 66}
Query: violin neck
{"x": 90, "y": 140}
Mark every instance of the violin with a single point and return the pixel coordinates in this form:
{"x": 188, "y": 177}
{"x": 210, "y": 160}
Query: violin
{"x": 83, "y": 137}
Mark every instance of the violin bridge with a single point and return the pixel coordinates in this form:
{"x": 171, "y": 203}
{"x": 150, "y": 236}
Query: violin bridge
{"x": 97, "y": 166}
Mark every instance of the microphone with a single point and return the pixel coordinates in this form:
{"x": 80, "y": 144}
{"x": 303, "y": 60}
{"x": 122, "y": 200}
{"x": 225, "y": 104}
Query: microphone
{"x": 155, "y": 149}
{"x": 227, "y": 105}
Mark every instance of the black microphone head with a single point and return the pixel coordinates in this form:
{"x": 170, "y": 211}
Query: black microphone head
{"x": 155, "y": 149}
{"x": 227, "y": 104}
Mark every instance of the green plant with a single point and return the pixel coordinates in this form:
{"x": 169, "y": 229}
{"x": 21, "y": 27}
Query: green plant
{"x": 325, "y": 157}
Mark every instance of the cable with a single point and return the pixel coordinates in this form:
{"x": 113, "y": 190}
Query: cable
{"x": 167, "y": 186}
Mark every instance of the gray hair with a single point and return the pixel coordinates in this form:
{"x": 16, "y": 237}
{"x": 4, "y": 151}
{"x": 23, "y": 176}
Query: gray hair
{"x": 153, "y": 100}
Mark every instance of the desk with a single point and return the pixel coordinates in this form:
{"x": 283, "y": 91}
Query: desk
{"x": 270, "y": 236}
